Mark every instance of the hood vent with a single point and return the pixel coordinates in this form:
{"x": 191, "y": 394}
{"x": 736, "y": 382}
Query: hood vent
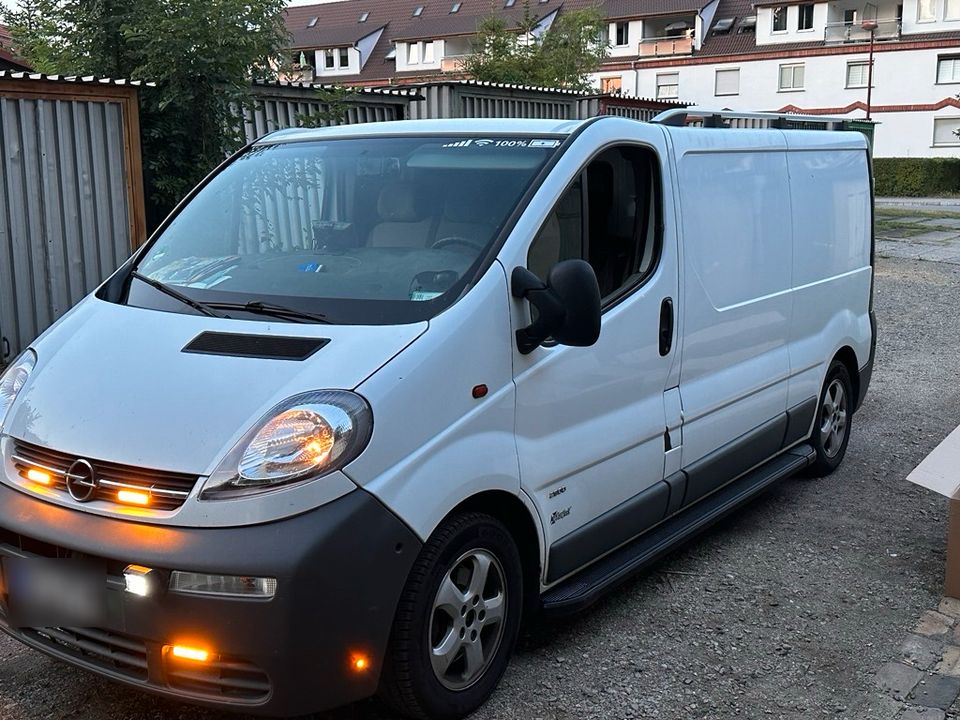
{"x": 267, "y": 347}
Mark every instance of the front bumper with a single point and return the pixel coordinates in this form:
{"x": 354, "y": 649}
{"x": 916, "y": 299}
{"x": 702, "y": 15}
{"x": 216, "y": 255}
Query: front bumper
{"x": 340, "y": 569}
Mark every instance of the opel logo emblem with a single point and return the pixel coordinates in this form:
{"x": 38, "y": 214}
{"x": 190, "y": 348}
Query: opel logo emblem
{"x": 81, "y": 481}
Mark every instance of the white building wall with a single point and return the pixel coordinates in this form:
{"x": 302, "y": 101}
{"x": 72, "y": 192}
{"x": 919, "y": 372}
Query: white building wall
{"x": 634, "y": 32}
{"x": 900, "y": 78}
{"x": 766, "y": 35}
{"x": 421, "y": 55}
{"x": 352, "y": 68}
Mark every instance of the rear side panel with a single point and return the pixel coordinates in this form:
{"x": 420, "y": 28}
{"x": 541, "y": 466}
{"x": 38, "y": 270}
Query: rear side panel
{"x": 832, "y": 273}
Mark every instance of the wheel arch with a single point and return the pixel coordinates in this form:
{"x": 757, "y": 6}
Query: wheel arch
{"x": 522, "y": 524}
{"x": 848, "y": 357}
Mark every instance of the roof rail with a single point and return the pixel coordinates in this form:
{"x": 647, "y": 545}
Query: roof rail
{"x": 680, "y": 117}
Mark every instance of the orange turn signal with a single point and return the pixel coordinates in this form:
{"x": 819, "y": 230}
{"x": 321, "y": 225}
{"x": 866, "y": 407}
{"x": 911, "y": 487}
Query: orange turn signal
{"x": 39, "y": 476}
{"x": 359, "y": 663}
{"x": 133, "y": 497}
{"x": 189, "y": 653}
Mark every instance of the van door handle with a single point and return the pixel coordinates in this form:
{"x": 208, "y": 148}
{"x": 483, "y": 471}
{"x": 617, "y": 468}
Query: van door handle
{"x": 666, "y": 326}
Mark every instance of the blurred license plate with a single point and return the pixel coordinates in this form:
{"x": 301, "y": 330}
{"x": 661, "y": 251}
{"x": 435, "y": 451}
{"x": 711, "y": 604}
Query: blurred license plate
{"x": 45, "y": 592}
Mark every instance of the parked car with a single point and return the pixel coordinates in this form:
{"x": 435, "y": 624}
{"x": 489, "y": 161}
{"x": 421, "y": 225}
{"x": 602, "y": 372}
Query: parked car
{"x": 375, "y": 393}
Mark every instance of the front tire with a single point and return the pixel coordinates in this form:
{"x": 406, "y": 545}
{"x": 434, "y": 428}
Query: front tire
{"x": 831, "y": 431}
{"x": 457, "y": 621}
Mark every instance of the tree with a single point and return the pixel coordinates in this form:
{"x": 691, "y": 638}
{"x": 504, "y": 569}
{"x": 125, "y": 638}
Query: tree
{"x": 519, "y": 52}
{"x": 202, "y": 55}
{"x": 34, "y": 34}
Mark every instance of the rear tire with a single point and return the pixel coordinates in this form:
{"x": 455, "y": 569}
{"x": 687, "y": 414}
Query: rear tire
{"x": 457, "y": 621}
{"x": 831, "y": 429}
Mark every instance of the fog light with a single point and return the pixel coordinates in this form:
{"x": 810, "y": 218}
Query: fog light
{"x": 185, "y": 652}
{"x": 227, "y": 585}
{"x": 39, "y": 476}
{"x": 138, "y": 579}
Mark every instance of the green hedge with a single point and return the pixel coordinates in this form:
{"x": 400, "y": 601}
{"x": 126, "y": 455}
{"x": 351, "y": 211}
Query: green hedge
{"x": 917, "y": 177}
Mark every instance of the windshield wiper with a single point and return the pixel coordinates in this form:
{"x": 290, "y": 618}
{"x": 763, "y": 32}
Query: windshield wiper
{"x": 262, "y": 308}
{"x": 176, "y": 295}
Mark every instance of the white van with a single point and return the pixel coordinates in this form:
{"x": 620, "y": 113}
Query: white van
{"x": 372, "y": 393}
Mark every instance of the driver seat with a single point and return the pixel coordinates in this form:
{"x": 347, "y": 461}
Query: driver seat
{"x": 466, "y": 217}
{"x": 404, "y": 222}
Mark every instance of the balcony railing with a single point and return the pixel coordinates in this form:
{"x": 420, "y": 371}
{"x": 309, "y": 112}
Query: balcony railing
{"x": 841, "y": 32}
{"x": 664, "y": 46}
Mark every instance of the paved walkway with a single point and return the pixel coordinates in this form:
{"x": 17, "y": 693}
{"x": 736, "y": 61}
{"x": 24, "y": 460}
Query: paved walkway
{"x": 919, "y": 203}
{"x": 932, "y": 233}
{"x": 924, "y": 682}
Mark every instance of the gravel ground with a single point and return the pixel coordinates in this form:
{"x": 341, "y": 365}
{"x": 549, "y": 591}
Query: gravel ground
{"x": 785, "y": 611}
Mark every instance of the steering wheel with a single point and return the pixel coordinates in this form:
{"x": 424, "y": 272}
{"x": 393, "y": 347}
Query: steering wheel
{"x": 456, "y": 240}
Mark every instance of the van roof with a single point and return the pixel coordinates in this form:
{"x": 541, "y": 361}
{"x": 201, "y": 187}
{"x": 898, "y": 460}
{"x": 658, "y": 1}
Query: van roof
{"x": 467, "y": 126}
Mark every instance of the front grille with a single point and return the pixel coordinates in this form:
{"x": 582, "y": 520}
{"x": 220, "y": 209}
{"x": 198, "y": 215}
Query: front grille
{"x": 107, "y": 650}
{"x": 167, "y": 490}
{"x": 221, "y": 678}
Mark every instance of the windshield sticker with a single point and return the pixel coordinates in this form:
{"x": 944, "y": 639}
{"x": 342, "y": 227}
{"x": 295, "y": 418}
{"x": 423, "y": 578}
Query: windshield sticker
{"x": 423, "y": 295}
{"x": 503, "y": 143}
{"x": 544, "y": 143}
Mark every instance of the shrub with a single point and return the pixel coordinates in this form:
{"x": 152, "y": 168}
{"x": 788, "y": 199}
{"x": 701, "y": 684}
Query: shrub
{"x": 917, "y": 177}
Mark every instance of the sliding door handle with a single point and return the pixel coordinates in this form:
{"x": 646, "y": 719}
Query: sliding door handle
{"x": 666, "y": 326}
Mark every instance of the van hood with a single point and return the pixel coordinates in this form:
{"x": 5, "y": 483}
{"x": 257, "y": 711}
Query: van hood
{"x": 112, "y": 383}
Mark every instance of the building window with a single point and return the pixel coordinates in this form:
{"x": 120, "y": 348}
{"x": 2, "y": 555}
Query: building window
{"x": 611, "y": 85}
{"x": 952, "y": 10}
{"x": 668, "y": 86}
{"x": 791, "y": 77}
{"x": 329, "y": 61}
{"x": 926, "y": 10}
{"x": 858, "y": 73}
{"x": 948, "y": 70}
{"x": 456, "y": 7}
{"x": 344, "y": 57}
{"x": 780, "y": 19}
{"x": 428, "y": 53}
{"x": 413, "y": 54}
{"x": 805, "y": 18}
{"x": 946, "y": 131}
{"x": 418, "y": 11}
{"x": 850, "y": 17}
{"x": 727, "y": 82}
{"x": 622, "y": 37}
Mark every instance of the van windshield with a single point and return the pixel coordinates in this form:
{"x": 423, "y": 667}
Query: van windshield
{"x": 360, "y": 231}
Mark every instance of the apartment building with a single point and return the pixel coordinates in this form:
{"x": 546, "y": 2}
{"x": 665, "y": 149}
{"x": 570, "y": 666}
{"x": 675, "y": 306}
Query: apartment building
{"x": 784, "y": 55}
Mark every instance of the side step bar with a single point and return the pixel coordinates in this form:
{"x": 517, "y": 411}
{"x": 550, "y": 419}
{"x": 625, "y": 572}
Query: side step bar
{"x": 587, "y": 586}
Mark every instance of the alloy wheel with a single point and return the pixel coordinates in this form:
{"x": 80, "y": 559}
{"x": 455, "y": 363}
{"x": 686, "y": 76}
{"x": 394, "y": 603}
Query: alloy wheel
{"x": 833, "y": 418}
{"x": 468, "y": 619}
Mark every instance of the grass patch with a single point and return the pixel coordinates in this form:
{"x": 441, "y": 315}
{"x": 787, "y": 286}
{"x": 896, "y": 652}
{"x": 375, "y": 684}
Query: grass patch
{"x": 898, "y": 231}
{"x": 896, "y": 212}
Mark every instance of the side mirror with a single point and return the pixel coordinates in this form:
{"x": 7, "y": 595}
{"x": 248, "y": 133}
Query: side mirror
{"x": 568, "y": 305}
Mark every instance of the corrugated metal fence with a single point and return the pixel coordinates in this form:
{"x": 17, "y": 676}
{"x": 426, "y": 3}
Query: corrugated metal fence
{"x": 72, "y": 196}
{"x": 473, "y": 99}
{"x": 469, "y": 99}
{"x": 281, "y": 105}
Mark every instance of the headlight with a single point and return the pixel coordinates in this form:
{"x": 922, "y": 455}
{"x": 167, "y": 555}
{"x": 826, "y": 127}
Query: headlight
{"x": 13, "y": 380}
{"x": 301, "y": 439}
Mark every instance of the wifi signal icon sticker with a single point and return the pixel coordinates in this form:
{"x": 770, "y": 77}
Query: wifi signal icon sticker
{"x": 483, "y": 143}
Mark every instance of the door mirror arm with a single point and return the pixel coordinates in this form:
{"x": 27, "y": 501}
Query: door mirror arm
{"x": 524, "y": 285}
